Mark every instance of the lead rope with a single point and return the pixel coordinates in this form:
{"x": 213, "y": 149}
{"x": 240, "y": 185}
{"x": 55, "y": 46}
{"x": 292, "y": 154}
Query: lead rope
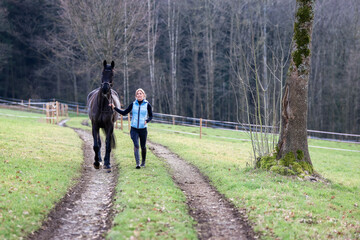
{"x": 109, "y": 100}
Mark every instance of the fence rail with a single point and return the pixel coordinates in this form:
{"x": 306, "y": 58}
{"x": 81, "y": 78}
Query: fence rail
{"x": 53, "y": 109}
{"x": 39, "y": 105}
{"x": 233, "y": 126}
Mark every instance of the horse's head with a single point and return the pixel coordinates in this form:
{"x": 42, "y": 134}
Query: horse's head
{"x": 107, "y": 77}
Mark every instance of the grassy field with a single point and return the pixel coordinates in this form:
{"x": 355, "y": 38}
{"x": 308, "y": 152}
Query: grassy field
{"x": 279, "y": 207}
{"x": 148, "y": 204}
{"x": 38, "y": 163}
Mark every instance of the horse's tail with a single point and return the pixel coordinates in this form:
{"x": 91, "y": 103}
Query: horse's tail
{"x": 112, "y": 139}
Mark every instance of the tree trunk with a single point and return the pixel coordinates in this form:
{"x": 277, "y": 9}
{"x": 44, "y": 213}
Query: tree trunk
{"x": 293, "y": 134}
{"x": 126, "y": 72}
{"x": 75, "y": 87}
{"x": 194, "y": 38}
{"x": 173, "y": 30}
{"x": 210, "y": 62}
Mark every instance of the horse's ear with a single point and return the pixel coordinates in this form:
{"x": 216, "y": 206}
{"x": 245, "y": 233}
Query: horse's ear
{"x": 105, "y": 63}
{"x": 112, "y": 64}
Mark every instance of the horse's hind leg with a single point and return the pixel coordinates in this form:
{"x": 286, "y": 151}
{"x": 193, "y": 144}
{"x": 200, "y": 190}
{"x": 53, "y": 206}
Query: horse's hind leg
{"x": 97, "y": 147}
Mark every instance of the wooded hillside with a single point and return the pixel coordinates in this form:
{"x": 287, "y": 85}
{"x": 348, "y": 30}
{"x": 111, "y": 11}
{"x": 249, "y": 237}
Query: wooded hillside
{"x": 194, "y": 58}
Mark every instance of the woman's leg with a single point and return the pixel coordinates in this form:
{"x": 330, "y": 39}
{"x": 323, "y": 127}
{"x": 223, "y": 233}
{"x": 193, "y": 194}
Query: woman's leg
{"x": 135, "y": 137}
{"x": 143, "y": 137}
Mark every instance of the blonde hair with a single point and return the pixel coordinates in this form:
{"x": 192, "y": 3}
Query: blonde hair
{"x": 142, "y": 90}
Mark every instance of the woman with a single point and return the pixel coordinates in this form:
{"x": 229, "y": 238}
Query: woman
{"x": 141, "y": 115}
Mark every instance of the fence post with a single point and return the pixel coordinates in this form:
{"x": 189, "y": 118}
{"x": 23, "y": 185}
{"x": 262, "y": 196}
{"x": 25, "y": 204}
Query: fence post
{"x": 52, "y": 112}
{"x": 129, "y": 121}
{"x": 67, "y": 110}
{"x": 29, "y": 102}
{"x": 121, "y": 117}
{"x": 47, "y": 113}
{"x": 173, "y": 119}
{"x": 57, "y": 112}
{"x": 200, "y": 127}
{"x": 77, "y": 110}
{"x": 236, "y": 127}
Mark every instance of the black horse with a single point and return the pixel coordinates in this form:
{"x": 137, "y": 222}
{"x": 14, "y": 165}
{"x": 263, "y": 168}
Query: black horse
{"x": 102, "y": 115}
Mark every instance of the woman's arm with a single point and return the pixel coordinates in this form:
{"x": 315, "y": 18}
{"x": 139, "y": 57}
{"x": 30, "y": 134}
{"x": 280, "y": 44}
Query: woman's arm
{"x": 150, "y": 113}
{"x": 122, "y": 112}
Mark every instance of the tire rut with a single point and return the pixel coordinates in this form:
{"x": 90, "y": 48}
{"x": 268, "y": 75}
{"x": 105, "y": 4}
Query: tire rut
{"x": 216, "y": 217}
{"x": 86, "y": 210}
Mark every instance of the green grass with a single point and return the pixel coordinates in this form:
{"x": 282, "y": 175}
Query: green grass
{"x": 76, "y": 122}
{"x": 278, "y": 206}
{"x": 38, "y": 163}
{"x": 148, "y": 203}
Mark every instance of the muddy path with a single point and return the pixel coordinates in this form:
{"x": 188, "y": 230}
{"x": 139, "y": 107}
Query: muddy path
{"x": 216, "y": 217}
{"x": 86, "y": 210}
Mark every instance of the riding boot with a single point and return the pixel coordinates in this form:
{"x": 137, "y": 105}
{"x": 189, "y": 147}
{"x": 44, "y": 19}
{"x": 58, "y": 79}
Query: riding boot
{"x": 137, "y": 157}
{"x": 143, "y": 156}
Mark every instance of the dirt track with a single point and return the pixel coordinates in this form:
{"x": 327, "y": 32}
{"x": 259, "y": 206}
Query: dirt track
{"x": 217, "y": 218}
{"x": 86, "y": 210}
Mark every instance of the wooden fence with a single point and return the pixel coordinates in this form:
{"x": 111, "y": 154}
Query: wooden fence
{"x": 54, "y": 110}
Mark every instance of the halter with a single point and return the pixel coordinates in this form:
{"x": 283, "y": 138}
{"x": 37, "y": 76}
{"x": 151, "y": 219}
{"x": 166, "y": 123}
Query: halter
{"x": 107, "y": 69}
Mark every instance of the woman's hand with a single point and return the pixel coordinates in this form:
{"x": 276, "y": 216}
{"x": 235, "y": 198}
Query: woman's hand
{"x": 111, "y": 105}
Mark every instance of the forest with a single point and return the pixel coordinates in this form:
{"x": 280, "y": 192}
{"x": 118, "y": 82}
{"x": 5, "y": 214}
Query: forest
{"x": 212, "y": 59}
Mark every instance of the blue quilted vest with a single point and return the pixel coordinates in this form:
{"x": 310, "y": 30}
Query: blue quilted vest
{"x": 139, "y": 114}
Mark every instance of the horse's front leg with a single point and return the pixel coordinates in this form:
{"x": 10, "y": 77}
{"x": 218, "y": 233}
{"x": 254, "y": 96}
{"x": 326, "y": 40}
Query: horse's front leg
{"x": 97, "y": 146}
{"x": 99, "y": 143}
{"x": 109, "y": 134}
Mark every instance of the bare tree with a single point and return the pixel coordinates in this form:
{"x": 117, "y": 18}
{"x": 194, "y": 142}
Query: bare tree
{"x": 107, "y": 30}
{"x": 210, "y": 57}
{"x": 173, "y": 31}
{"x": 152, "y": 26}
{"x": 4, "y": 27}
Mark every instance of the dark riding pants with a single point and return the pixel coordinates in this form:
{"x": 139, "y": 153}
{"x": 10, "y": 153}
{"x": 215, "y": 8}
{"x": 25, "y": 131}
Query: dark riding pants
{"x": 135, "y": 134}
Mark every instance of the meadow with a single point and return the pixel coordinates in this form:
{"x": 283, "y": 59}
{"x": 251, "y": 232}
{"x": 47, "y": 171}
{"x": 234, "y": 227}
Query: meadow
{"x": 279, "y": 207}
{"x": 39, "y": 162}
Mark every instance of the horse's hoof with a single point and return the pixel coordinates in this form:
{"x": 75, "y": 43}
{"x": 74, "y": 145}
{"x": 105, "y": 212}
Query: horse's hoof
{"x": 107, "y": 166}
{"x": 96, "y": 165}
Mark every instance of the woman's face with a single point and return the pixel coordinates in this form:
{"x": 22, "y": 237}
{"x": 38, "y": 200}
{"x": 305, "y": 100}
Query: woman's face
{"x": 140, "y": 95}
